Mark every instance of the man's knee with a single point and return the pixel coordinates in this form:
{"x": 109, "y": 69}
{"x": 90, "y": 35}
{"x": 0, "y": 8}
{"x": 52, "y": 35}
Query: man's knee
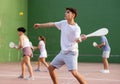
{"x": 51, "y": 68}
{"x": 74, "y": 72}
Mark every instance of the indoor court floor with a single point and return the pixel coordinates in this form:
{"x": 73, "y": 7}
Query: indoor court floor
{"x": 10, "y": 71}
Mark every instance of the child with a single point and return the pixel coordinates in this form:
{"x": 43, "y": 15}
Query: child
{"x": 106, "y": 52}
{"x": 27, "y": 53}
{"x": 70, "y": 37}
{"x": 43, "y": 52}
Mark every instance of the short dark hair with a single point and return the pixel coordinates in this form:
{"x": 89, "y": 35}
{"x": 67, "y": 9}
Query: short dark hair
{"x": 21, "y": 29}
{"x": 73, "y": 11}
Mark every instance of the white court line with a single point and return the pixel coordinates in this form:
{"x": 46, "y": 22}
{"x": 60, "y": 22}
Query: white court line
{"x": 45, "y": 77}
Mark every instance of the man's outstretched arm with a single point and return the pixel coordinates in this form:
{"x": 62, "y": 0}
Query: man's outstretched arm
{"x": 42, "y": 25}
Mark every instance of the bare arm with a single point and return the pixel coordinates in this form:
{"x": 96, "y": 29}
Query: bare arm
{"x": 39, "y": 46}
{"x": 101, "y": 45}
{"x": 78, "y": 40}
{"x": 50, "y": 24}
{"x": 82, "y": 38}
{"x": 21, "y": 43}
{"x": 36, "y": 47}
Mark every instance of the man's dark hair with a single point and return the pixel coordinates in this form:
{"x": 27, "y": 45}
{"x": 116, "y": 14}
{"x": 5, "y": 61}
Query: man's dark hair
{"x": 73, "y": 11}
{"x": 21, "y": 29}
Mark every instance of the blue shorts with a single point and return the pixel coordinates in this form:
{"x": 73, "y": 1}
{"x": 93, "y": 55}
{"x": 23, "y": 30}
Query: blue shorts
{"x": 70, "y": 59}
{"x": 106, "y": 54}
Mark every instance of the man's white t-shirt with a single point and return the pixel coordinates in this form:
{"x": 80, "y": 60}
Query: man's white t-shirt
{"x": 69, "y": 34}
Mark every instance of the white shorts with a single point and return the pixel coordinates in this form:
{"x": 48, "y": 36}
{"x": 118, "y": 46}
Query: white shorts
{"x": 106, "y": 54}
{"x": 70, "y": 59}
{"x": 43, "y": 55}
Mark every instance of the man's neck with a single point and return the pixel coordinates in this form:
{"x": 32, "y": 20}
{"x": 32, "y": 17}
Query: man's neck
{"x": 71, "y": 22}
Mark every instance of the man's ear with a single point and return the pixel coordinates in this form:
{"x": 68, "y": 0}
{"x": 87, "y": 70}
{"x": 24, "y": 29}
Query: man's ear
{"x": 73, "y": 15}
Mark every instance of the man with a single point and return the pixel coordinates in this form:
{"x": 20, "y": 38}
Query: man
{"x": 70, "y": 36}
{"x": 106, "y": 52}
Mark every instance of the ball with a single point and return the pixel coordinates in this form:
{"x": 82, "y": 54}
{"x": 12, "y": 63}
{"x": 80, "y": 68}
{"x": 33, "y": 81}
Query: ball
{"x": 95, "y": 44}
{"x": 21, "y": 13}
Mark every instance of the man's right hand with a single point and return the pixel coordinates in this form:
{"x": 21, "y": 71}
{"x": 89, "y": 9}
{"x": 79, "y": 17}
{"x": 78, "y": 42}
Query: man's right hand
{"x": 36, "y": 26}
{"x": 83, "y": 37}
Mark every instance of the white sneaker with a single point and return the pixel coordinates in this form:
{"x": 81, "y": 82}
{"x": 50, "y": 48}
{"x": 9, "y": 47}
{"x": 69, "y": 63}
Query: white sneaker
{"x": 30, "y": 78}
{"x": 105, "y": 71}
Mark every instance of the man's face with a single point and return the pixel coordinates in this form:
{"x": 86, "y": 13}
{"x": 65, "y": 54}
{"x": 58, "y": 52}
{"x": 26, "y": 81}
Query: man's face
{"x": 69, "y": 15}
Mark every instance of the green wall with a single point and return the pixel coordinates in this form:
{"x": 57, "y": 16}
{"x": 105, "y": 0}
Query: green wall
{"x": 9, "y": 22}
{"x": 93, "y": 14}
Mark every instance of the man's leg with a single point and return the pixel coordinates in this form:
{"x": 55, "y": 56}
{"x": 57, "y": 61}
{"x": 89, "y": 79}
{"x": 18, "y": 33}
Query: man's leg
{"x": 53, "y": 74}
{"x": 78, "y": 76}
{"x": 72, "y": 64}
{"x": 56, "y": 63}
{"x": 105, "y": 63}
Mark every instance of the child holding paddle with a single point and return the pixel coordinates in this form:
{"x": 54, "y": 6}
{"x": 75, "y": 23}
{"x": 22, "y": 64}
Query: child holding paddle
{"x": 43, "y": 52}
{"x": 27, "y": 53}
